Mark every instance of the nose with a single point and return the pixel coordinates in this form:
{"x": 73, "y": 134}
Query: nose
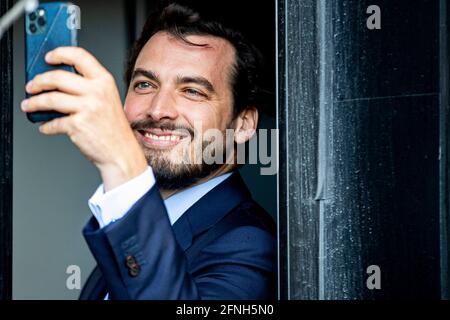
{"x": 162, "y": 106}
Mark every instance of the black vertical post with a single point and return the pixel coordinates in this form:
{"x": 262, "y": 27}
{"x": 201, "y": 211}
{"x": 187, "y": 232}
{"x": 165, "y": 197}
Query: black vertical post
{"x": 130, "y": 18}
{"x": 362, "y": 181}
{"x": 298, "y": 121}
{"x": 444, "y": 148}
{"x": 6, "y": 96}
{"x": 136, "y": 14}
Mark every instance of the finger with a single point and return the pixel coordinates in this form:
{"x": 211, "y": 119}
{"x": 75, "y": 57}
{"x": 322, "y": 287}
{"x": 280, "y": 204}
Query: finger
{"x": 52, "y": 101}
{"x": 60, "y": 80}
{"x": 84, "y": 62}
{"x": 56, "y": 126}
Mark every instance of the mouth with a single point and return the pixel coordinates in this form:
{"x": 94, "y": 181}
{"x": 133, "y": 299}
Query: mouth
{"x": 161, "y": 139}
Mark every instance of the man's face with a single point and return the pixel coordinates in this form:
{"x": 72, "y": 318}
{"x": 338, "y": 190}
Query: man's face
{"x": 177, "y": 92}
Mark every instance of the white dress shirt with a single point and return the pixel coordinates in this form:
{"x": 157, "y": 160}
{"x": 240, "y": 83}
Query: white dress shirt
{"x": 114, "y": 204}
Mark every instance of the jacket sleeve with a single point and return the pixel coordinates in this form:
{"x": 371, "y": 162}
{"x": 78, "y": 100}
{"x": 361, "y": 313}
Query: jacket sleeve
{"x": 140, "y": 258}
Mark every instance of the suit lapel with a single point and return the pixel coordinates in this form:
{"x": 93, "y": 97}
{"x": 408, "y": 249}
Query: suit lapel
{"x": 211, "y": 208}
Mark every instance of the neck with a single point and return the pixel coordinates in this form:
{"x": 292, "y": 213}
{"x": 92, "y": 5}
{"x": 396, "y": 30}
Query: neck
{"x": 222, "y": 170}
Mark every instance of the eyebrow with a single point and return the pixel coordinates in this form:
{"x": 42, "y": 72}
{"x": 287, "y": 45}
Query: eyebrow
{"x": 146, "y": 73}
{"x": 180, "y": 79}
{"x": 197, "y": 80}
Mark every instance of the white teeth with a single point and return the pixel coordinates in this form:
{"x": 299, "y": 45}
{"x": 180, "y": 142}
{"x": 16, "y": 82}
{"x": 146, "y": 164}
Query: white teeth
{"x": 162, "y": 138}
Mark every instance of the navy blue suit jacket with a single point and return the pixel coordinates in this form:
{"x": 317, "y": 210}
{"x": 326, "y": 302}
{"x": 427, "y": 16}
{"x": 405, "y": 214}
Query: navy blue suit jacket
{"x": 223, "y": 247}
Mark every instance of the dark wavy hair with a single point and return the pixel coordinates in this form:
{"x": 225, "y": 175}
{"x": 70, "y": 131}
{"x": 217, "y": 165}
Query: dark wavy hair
{"x": 181, "y": 21}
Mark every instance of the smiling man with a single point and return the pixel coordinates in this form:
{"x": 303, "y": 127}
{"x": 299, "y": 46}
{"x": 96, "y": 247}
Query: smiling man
{"x": 166, "y": 223}
{"x": 192, "y": 77}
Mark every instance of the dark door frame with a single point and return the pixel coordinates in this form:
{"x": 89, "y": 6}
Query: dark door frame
{"x": 6, "y": 102}
{"x": 364, "y": 169}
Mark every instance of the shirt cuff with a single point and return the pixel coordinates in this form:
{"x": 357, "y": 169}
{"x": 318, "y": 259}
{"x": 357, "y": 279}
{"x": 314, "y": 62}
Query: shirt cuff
{"x": 114, "y": 204}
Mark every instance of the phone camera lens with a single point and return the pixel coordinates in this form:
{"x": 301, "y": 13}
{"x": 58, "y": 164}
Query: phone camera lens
{"x": 32, "y": 16}
{"x": 33, "y": 28}
{"x": 41, "y": 21}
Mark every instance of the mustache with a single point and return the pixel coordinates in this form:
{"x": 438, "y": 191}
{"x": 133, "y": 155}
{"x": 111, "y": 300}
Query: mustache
{"x": 152, "y": 124}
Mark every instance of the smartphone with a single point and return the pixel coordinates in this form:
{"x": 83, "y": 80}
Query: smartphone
{"x": 50, "y": 26}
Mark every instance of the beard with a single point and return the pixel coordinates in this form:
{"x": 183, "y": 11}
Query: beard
{"x": 173, "y": 174}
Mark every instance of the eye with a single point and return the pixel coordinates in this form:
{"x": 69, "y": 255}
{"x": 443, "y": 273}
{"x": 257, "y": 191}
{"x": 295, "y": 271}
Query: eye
{"x": 194, "y": 93}
{"x": 143, "y": 86}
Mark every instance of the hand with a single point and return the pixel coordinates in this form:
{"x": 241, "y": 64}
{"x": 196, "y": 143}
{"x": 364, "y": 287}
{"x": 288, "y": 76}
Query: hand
{"x": 96, "y": 122}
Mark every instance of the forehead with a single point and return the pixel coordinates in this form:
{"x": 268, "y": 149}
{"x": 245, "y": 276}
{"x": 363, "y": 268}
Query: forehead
{"x": 168, "y": 55}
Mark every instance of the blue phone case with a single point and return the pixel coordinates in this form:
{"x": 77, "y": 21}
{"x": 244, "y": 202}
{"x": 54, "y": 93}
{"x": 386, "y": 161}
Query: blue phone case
{"x": 47, "y": 28}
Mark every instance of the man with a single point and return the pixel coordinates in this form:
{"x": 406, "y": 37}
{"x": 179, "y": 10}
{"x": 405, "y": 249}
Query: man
{"x": 165, "y": 225}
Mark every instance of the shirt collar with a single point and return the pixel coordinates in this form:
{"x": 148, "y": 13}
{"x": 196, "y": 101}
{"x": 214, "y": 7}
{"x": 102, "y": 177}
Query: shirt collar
{"x": 180, "y": 202}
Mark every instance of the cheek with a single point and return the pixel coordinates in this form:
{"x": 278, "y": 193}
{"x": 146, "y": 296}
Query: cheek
{"x": 203, "y": 117}
{"x": 133, "y": 107}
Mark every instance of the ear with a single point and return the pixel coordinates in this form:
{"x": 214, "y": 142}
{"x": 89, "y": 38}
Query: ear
{"x": 246, "y": 124}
